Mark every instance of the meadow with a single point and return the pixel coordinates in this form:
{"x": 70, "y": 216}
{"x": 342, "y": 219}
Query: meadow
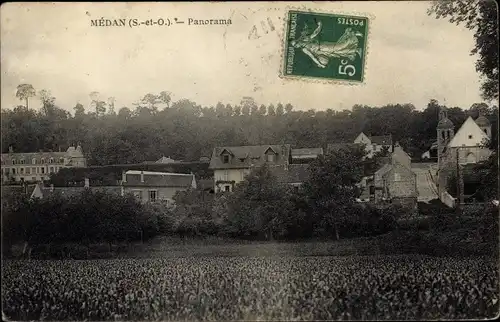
{"x": 251, "y": 287}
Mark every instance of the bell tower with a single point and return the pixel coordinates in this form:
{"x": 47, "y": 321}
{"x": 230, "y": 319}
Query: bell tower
{"x": 445, "y": 132}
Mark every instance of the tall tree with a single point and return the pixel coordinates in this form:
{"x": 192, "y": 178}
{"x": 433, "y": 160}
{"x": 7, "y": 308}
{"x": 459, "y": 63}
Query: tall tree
{"x": 280, "y": 109}
{"x": 331, "y": 189}
{"x": 25, "y": 92}
{"x": 165, "y": 98}
{"x": 480, "y": 16}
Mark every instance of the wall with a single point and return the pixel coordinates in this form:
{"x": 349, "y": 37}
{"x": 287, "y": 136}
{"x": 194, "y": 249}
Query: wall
{"x": 162, "y": 193}
{"x": 236, "y": 175}
{"x": 404, "y": 186}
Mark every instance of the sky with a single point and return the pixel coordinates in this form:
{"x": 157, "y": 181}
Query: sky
{"x": 411, "y": 58}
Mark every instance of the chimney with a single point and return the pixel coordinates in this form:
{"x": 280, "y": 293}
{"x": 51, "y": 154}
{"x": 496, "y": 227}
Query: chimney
{"x": 142, "y": 176}
{"x": 124, "y": 177}
{"x": 51, "y": 188}
{"x": 87, "y": 183}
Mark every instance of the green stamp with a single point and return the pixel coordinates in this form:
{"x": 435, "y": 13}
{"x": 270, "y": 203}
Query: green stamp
{"x": 325, "y": 46}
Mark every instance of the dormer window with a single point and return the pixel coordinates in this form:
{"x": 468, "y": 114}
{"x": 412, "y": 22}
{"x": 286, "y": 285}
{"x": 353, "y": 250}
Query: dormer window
{"x": 43, "y": 160}
{"x": 242, "y": 159}
{"x": 51, "y": 160}
{"x": 270, "y": 158}
{"x": 33, "y": 161}
{"x": 470, "y": 136}
{"x": 22, "y": 161}
{"x": 225, "y": 158}
{"x": 61, "y": 160}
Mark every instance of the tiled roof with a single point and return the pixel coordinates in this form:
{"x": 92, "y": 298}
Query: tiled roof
{"x": 158, "y": 179}
{"x": 296, "y": 173}
{"x": 306, "y": 152}
{"x": 247, "y": 156}
{"x": 381, "y": 139}
{"x": 75, "y": 191}
{"x": 47, "y": 155}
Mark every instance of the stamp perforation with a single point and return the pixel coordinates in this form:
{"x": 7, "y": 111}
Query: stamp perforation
{"x": 316, "y": 80}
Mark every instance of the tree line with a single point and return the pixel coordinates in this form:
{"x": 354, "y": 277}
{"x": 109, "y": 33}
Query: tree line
{"x": 185, "y": 130}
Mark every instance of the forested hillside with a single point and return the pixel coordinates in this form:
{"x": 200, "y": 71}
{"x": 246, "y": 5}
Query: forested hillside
{"x": 186, "y": 130}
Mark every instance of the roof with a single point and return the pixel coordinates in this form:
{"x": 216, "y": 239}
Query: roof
{"x": 71, "y": 152}
{"x": 296, "y": 173}
{"x": 445, "y": 123}
{"x": 158, "y": 179}
{"x": 164, "y": 159}
{"x": 383, "y": 170}
{"x": 306, "y": 152}
{"x": 381, "y": 139}
{"x": 469, "y": 134}
{"x": 338, "y": 146}
{"x": 75, "y": 191}
{"x": 483, "y": 121}
{"x": 248, "y": 156}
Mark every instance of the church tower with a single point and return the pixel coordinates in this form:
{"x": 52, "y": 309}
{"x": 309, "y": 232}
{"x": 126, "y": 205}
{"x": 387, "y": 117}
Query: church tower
{"x": 445, "y": 132}
{"x": 484, "y": 124}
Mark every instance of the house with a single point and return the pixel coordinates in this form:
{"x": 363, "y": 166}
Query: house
{"x": 232, "y": 164}
{"x": 37, "y": 166}
{"x": 374, "y": 144}
{"x": 144, "y": 185}
{"x": 155, "y": 186}
{"x": 306, "y": 154}
{"x": 395, "y": 182}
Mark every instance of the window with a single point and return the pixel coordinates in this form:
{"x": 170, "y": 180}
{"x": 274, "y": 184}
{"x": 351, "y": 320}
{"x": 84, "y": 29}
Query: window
{"x": 43, "y": 169}
{"x": 61, "y": 160}
{"x": 42, "y": 160}
{"x": 470, "y": 136}
{"x": 485, "y": 131}
{"x": 51, "y": 170}
{"x": 22, "y": 161}
{"x": 226, "y": 188}
{"x": 397, "y": 177}
{"x": 225, "y": 158}
{"x": 28, "y": 170}
{"x": 443, "y": 135}
{"x": 13, "y": 170}
{"x": 33, "y": 178}
{"x": 152, "y": 195}
{"x": 14, "y": 161}
{"x": 270, "y": 158}
{"x": 21, "y": 170}
{"x": 34, "y": 170}
{"x": 226, "y": 175}
{"x": 33, "y": 161}
{"x": 51, "y": 160}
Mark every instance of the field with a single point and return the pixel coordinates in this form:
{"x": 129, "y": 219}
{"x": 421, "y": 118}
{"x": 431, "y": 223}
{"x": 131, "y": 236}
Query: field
{"x": 239, "y": 287}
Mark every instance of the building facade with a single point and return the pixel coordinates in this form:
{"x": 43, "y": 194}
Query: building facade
{"x": 144, "y": 185}
{"x": 395, "y": 182}
{"x": 374, "y": 144}
{"x": 156, "y": 186}
{"x": 38, "y": 166}
{"x": 232, "y": 164}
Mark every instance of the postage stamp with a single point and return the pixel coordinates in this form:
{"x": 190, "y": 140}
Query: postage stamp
{"x": 325, "y": 46}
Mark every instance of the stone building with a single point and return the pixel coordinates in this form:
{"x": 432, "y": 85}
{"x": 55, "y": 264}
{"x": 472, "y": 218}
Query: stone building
{"x": 38, "y": 166}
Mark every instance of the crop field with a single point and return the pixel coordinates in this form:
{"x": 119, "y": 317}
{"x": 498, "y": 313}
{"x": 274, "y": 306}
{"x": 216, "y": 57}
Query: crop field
{"x": 272, "y": 288}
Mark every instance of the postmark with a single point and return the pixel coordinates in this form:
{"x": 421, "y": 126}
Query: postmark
{"x": 325, "y": 46}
